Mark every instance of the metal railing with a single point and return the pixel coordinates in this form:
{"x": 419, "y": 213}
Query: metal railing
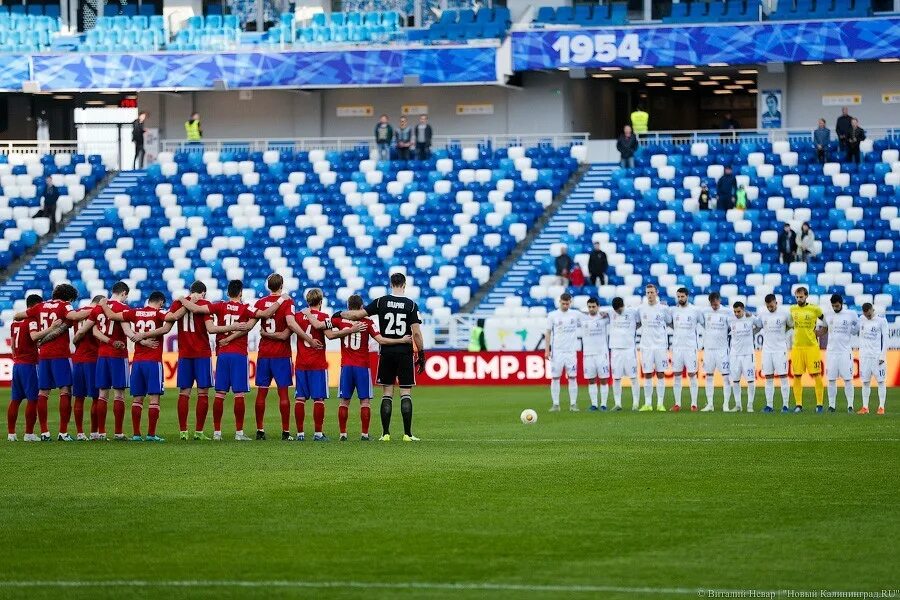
{"x": 339, "y": 144}
{"x": 756, "y": 136}
{"x": 32, "y": 147}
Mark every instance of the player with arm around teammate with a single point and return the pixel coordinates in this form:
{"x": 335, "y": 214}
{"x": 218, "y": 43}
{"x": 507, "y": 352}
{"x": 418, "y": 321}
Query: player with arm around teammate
{"x": 595, "y": 342}
{"x": 84, "y": 378}
{"x": 562, "y": 337}
{"x": 623, "y": 324}
{"x": 775, "y": 323}
{"x": 842, "y": 325}
{"x": 715, "y": 349}
{"x": 23, "y": 338}
{"x": 873, "y": 344}
{"x": 686, "y": 320}
{"x": 654, "y": 345}
{"x": 742, "y": 329}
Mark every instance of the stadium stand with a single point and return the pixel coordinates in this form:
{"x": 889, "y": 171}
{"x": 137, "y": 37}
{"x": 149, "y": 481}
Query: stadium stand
{"x": 140, "y": 33}
{"x": 586, "y": 15}
{"x": 26, "y": 32}
{"x": 210, "y": 33}
{"x": 703, "y": 12}
{"x": 338, "y": 27}
{"x": 821, "y": 9}
{"x": 468, "y": 24}
{"x": 648, "y": 221}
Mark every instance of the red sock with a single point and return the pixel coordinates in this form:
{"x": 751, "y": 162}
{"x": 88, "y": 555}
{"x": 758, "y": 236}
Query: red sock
{"x": 136, "y": 409}
{"x": 284, "y": 405}
{"x": 183, "y": 411}
{"x": 261, "y": 407}
{"x": 343, "y": 413}
{"x": 365, "y": 415}
{"x": 42, "y": 413}
{"x": 218, "y": 409}
{"x": 95, "y": 405}
{"x": 319, "y": 415}
{"x": 12, "y": 414}
{"x": 299, "y": 414}
{"x": 239, "y": 412}
{"x": 79, "y": 415}
{"x": 119, "y": 415}
{"x": 153, "y": 414}
{"x": 65, "y": 412}
{"x": 102, "y": 405}
{"x": 202, "y": 409}
{"x": 30, "y": 416}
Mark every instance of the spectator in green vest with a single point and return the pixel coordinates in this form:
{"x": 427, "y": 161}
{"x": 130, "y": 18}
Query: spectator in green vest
{"x": 476, "y": 337}
{"x": 192, "y": 128}
{"x": 639, "y": 120}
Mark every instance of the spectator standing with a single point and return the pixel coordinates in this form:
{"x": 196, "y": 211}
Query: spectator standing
{"x": 703, "y": 198}
{"x": 384, "y": 134}
{"x": 640, "y": 120}
{"x": 192, "y": 129}
{"x": 51, "y": 197}
{"x": 787, "y": 244}
{"x": 740, "y": 196}
{"x": 807, "y": 243}
{"x": 726, "y": 188}
{"x": 627, "y": 145}
{"x": 729, "y": 122}
{"x": 137, "y": 136}
{"x": 842, "y": 128}
{"x": 477, "y": 343}
{"x": 423, "y": 138}
{"x": 403, "y": 136}
{"x": 598, "y": 264}
{"x": 563, "y": 265}
{"x": 576, "y": 277}
{"x": 854, "y": 138}
{"x": 821, "y": 139}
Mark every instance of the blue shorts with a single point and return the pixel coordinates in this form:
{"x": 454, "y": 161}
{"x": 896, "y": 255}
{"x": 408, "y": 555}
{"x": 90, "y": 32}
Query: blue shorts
{"x": 197, "y": 370}
{"x": 112, "y": 373}
{"x": 146, "y": 378}
{"x": 84, "y": 376}
{"x": 312, "y": 384}
{"x": 54, "y": 373}
{"x": 24, "y": 383}
{"x": 355, "y": 378}
{"x": 231, "y": 373}
{"x": 278, "y": 369}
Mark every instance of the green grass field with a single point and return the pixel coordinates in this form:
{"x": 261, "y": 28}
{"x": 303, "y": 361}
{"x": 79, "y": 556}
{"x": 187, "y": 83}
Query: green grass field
{"x": 607, "y": 505}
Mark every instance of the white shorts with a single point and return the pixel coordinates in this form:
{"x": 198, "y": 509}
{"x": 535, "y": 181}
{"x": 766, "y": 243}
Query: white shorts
{"x": 684, "y": 359}
{"x": 715, "y": 359}
{"x": 563, "y": 361}
{"x": 774, "y": 363}
{"x": 596, "y": 365}
{"x": 839, "y": 365}
{"x": 624, "y": 363}
{"x": 742, "y": 365}
{"x": 872, "y": 367}
{"x": 654, "y": 360}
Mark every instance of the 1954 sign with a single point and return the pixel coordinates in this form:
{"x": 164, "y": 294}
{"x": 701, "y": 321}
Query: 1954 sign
{"x": 600, "y": 48}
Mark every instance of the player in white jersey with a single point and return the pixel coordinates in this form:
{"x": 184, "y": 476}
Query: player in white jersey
{"x": 595, "y": 341}
{"x": 715, "y": 348}
{"x": 562, "y": 346}
{"x": 686, "y": 321}
{"x": 775, "y": 323}
{"x": 654, "y": 347}
{"x": 742, "y": 328}
{"x": 873, "y": 340}
{"x": 623, "y": 324}
{"x": 842, "y": 326}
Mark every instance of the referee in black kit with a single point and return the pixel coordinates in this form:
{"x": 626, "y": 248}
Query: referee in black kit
{"x": 398, "y": 317}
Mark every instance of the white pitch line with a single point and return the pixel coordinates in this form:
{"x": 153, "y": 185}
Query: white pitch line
{"x": 410, "y": 585}
{"x": 656, "y": 440}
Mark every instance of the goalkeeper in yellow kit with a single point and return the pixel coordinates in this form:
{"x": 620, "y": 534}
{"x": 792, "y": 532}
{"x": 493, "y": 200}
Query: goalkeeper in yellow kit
{"x": 806, "y": 357}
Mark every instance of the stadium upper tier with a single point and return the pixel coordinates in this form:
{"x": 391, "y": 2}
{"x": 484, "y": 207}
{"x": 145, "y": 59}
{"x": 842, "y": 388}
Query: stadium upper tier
{"x": 336, "y": 220}
{"x": 649, "y": 223}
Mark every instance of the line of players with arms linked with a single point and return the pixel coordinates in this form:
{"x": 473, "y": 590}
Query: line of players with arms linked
{"x": 99, "y": 367}
{"x": 728, "y": 344}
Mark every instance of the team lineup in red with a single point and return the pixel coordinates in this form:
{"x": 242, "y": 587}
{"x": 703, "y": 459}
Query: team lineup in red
{"x": 99, "y": 366}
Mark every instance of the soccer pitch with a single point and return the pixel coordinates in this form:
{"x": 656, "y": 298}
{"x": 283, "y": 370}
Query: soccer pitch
{"x": 611, "y": 505}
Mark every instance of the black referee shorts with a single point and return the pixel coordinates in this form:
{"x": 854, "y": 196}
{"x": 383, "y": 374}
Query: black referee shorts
{"x": 396, "y": 369}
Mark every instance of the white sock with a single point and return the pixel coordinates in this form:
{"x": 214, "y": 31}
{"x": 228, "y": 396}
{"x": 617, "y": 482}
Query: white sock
{"x": 736, "y": 389}
{"x": 832, "y": 393}
{"x": 617, "y": 391}
{"x": 865, "y": 394}
{"x": 676, "y": 388}
{"x": 661, "y": 390}
{"x": 770, "y": 392}
{"x": 592, "y": 392}
{"x": 751, "y": 394}
{"x": 785, "y": 392}
{"x": 604, "y": 394}
{"x": 882, "y": 394}
{"x": 726, "y": 389}
{"x": 554, "y": 391}
{"x": 849, "y": 392}
{"x": 695, "y": 390}
{"x": 648, "y": 391}
{"x": 710, "y": 388}
{"x": 573, "y": 391}
{"x": 239, "y": 432}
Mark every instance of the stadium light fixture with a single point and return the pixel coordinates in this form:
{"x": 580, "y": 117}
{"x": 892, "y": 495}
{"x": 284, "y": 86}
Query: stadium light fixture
{"x": 610, "y": 68}
{"x": 657, "y": 74}
{"x": 681, "y": 88}
{"x": 734, "y": 87}
{"x": 629, "y": 80}
{"x": 718, "y": 64}
{"x": 709, "y": 83}
{"x": 694, "y": 73}
{"x": 62, "y": 97}
{"x": 683, "y": 78}
{"x": 722, "y": 92}
{"x": 807, "y": 63}
{"x": 889, "y": 60}
{"x": 643, "y": 66}
{"x": 656, "y": 84}
{"x": 601, "y": 76}
{"x": 748, "y": 71}
{"x": 845, "y": 60}
{"x": 745, "y": 82}
{"x": 682, "y": 67}
{"x": 753, "y": 91}
{"x": 719, "y": 77}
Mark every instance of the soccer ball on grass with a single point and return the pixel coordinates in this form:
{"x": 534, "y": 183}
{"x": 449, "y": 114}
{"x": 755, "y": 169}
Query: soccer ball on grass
{"x": 528, "y": 416}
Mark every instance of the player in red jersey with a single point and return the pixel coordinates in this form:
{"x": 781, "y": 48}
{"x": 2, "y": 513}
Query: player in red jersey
{"x": 231, "y": 321}
{"x": 24, "y": 339}
{"x": 274, "y": 356}
{"x": 355, "y": 374}
{"x": 194, "y": 356}
{"x": 112, "y": 357}
{"x": 54, "y": 354}
{"x": 311, "y": 365}
{"x": 84, "y": 376}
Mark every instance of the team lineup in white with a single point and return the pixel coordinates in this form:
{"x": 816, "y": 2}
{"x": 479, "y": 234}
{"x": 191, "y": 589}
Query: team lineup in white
{"x": 608, "y": 339}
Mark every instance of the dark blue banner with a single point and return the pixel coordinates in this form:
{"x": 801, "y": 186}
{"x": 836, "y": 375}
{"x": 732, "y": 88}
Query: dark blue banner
{"x": 745, "y": 43}
{"x": 172, "y": 70}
